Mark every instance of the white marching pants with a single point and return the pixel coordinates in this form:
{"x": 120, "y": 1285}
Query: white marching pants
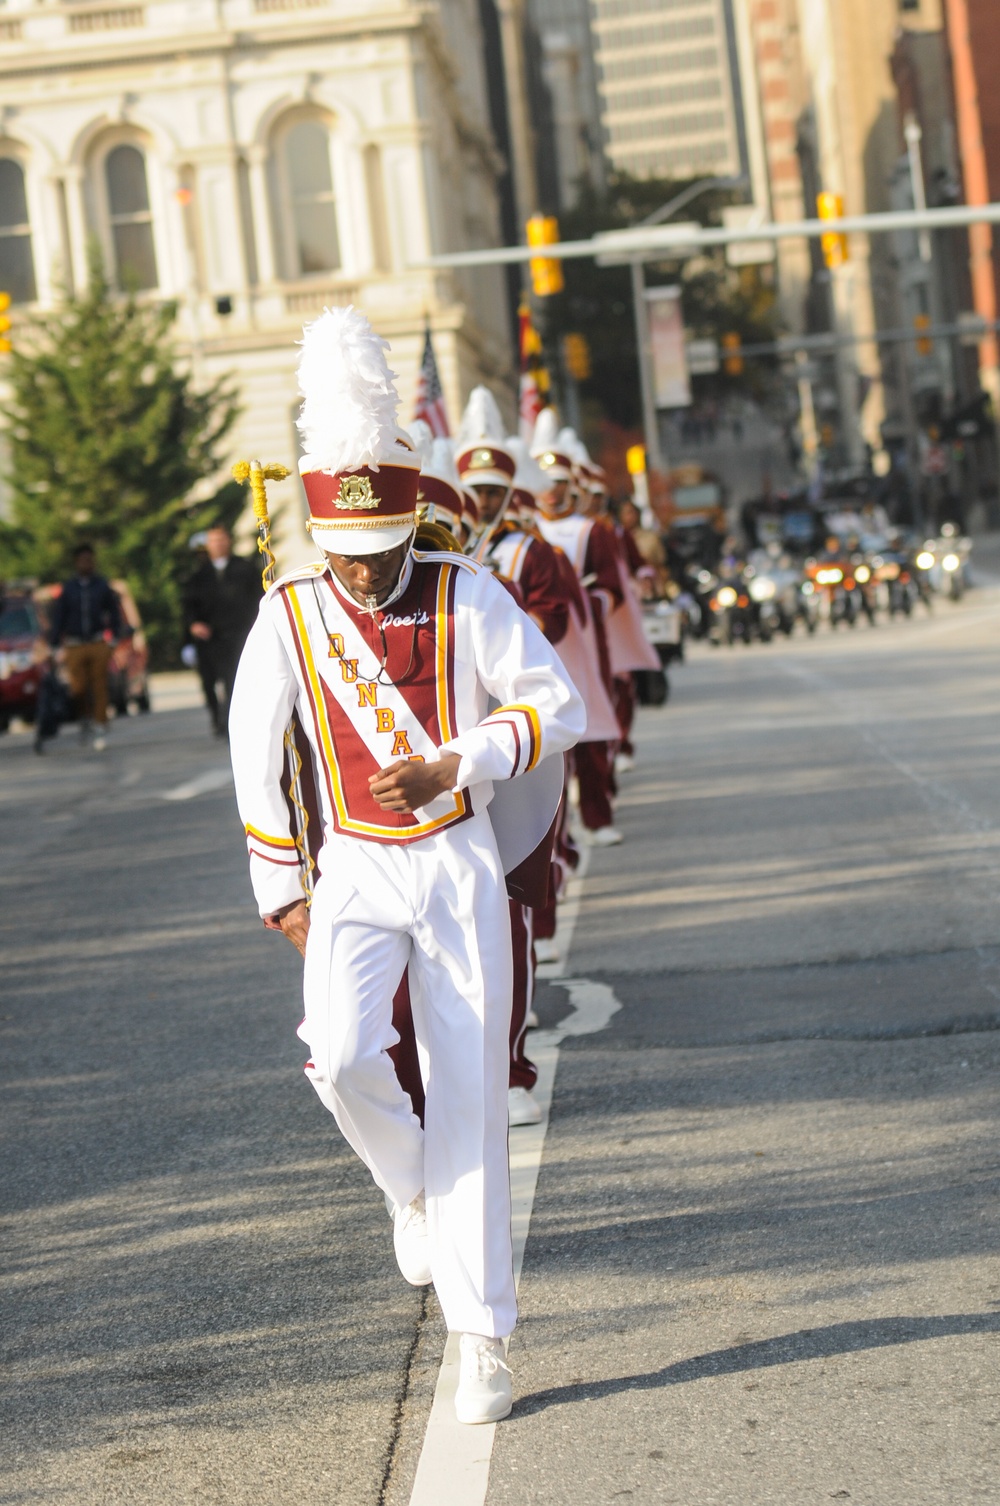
{"x": 438, "y": 907}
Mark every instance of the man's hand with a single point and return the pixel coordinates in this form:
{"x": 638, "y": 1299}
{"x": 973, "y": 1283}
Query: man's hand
{"x": 293, "y": 922}
{"x": 201, "y": 631}
{"x": 406, "y": 786}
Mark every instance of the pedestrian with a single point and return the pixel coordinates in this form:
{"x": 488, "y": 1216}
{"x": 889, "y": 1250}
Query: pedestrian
{"x": 86, "y": 622}
{"x": 220, "y": 605}
{"x": 391, "y": 661}
{"x": 592, "y": 553}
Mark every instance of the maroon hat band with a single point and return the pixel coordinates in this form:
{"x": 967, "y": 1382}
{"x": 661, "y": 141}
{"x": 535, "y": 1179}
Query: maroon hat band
{"x": 434, "y": 491}
{"x": 362, "y": 498}
{"x": 485, "y": 457}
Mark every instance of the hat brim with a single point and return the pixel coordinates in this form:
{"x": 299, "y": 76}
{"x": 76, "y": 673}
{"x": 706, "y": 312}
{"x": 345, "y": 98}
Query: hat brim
{"x": 335, "y": 539}
{"x": 486, "y": 478}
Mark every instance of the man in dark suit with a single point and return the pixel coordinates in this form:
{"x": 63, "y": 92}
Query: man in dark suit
{"x": 220, "y": 608}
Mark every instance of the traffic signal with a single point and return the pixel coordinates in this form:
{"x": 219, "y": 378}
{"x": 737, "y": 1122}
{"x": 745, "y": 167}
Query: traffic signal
{"x": 635, "y": 459}
{"x": 925, "y": 345}
{"x": 576, "y": 353}
{"x": 546, "y": 272}
{"x": 732, "y": 347}
{"x": 830, "y": 206}
{"x": 5, "y": 340}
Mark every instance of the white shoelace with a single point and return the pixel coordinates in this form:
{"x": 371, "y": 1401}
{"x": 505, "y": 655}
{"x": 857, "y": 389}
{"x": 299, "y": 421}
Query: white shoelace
{"x": 414, "y": 1213}
{"x": 485, "y": 1360}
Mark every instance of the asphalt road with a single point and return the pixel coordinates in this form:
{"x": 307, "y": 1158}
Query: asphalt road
{"x": 762, "y": 1265}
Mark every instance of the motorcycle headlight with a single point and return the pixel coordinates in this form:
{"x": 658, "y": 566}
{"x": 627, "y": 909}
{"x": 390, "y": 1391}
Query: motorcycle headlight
{"x": 762, "y": 589}
{"x": 726, "y": 596}
{"x": 830, "y": 577}
{"x": 862, "y": 574}
{"x": 950, "y": 562}
{"x": 924, "y": 560}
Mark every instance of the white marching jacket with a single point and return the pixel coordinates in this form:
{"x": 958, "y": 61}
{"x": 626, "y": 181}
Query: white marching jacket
{"x": 455, "y": 645}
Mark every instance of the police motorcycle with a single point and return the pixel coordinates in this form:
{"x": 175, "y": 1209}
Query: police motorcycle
{"x": 892, "y": 576}
{"x": 944, "y": 562}
{"x": 774, "y": 585}
{"x": 734, "y": 615}
{"x": 833, "y": 576}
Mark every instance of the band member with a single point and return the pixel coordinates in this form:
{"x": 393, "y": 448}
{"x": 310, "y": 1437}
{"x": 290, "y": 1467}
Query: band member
{"x": 628, "y": 647}
{"x": 391, "y": 659}
{"x": 489, "y": 465}
{"x": 593, "y": 556}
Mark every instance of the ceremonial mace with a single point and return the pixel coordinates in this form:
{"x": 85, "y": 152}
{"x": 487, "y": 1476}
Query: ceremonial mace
{"x": 257, "y": 475}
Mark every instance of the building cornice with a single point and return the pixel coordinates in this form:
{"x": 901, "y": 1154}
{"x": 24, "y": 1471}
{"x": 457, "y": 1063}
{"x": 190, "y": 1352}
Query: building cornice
{"x": 134, "y": 47}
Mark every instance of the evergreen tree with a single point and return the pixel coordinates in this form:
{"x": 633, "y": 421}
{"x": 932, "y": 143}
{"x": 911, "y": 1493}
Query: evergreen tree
{"x": 106, "y": 440}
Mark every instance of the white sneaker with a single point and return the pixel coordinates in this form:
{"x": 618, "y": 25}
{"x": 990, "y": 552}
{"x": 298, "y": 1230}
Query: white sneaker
{"x": 409, "y": 1238}
{"x": 531, "y": 1020}
{"x": 546, "y": 950}
{"x": 485, "y": 1385}
{"x": 604, "y": 836}
{"x": 99, "y": 743}
{"x": 522, "y": 1108}
{"x": 624, "y": 763}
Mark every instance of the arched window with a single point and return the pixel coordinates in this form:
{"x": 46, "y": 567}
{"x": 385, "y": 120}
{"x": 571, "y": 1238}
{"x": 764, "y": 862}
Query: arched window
{"x": 17, "y": 265}
{"x": 130, "y": 218}
{"x": 310, "y": 191}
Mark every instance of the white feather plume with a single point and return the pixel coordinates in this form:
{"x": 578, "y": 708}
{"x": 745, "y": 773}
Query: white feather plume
{"x": 423, "y": 441}
{"x": 529, "y": 474}
{"x": 349, "y": 397}
{"x": 481, "y": 419}
{"x": 546, "y": 432}
{"x": 572, "y": 445}
{"x": 442, "y": 462}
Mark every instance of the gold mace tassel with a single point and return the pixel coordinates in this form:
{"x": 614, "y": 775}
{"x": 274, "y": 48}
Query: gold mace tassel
{"x": 257, "y": 475}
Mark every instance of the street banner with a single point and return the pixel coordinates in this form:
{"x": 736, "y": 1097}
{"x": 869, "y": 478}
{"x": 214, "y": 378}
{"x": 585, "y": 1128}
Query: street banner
{"x": 671, "y": 387}
{"x": 533, "y": 394}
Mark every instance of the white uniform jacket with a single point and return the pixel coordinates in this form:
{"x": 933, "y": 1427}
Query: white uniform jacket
{"x": 454, "y": 639}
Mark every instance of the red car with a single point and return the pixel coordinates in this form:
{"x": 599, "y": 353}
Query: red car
{"x": 22, "y": 658}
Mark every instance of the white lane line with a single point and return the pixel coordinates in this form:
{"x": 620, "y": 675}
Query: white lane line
{"x": 454, "y": 1464}
{"x": 212, "y": 779}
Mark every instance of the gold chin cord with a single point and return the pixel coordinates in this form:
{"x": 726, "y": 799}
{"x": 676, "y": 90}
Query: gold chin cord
{"x": 258, "y": 475}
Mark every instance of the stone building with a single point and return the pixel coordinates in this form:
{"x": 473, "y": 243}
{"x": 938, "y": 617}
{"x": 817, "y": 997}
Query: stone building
{"x": 256, "y": 160}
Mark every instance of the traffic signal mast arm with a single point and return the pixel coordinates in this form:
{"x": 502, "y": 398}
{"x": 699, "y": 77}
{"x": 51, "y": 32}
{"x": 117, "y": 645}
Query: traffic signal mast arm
{"x": 655, "y": 241}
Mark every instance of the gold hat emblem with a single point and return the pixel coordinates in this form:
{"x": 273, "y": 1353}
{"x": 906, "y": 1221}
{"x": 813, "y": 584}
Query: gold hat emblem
{"x": 482, "y": 457}
{"x": 548, "y": 459}
{"x": 356, "y": 494}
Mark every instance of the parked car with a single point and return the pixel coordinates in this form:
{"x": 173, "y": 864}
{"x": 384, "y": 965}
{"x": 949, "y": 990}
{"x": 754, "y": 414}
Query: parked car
{"x": 23, "y": 653}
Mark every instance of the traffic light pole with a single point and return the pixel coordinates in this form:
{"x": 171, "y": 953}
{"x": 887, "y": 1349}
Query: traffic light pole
{"x": 650, "y": 423}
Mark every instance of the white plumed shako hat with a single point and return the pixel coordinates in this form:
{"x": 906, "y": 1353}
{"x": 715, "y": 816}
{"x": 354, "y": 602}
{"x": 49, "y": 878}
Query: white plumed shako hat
{"x": 359, "y": 469}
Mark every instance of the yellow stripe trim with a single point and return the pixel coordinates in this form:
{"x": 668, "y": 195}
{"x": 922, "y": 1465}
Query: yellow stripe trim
{"x": 360, "y": 828}
{"x": 536, "y": 727}
{"x": 441, "y": 662}
{"x": 252, "y": 831}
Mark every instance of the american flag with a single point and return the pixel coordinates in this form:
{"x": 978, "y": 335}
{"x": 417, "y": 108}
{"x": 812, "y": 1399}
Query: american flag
{"x": 430, "y": 399}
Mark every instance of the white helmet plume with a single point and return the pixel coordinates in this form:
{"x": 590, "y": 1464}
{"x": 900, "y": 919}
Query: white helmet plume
{"x": 529, "y": 475}
{"x": 546, "y": 432}
{"x": 481, "y": 419}
{"x": 349, "y": 397}
{"x": 572, "y": 445}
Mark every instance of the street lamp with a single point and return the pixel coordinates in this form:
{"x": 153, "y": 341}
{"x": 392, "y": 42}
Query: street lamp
{"x": 665, "y": 212}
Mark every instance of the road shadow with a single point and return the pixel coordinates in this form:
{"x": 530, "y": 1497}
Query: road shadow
{"x": 763, "y": 1354}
